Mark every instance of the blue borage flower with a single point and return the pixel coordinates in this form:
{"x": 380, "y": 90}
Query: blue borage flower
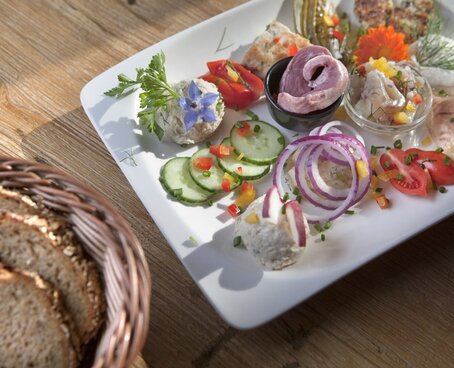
{"x": 197, "y": 106}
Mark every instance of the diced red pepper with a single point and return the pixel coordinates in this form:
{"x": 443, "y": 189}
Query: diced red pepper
{"x": 233, "y": 210}
{"x": 246, "y": 187}
{"x": 225, "y": 184}
{"x": 382, "y": 201}
{"x": 417, "y": 99}
{"x": 202, "y": 163}
{"x": 276, "y": 40}
{"x": 361, "y": 70}
{"x": 244, "y": 130}
{"x": 292, "y": 50}
{"x": 338, "y": 35}
{"x": 221, "y": 150}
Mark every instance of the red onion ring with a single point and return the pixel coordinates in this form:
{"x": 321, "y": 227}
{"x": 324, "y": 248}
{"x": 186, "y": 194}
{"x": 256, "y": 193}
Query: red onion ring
{"x": 333, "y": 202}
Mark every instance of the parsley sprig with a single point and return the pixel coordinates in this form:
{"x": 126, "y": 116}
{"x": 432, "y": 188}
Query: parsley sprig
{"x": 156, "y": 91}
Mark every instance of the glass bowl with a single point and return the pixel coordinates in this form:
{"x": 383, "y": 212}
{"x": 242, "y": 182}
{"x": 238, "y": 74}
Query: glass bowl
{"x": 422, "y": 111}
{"x": 287, "y": 119}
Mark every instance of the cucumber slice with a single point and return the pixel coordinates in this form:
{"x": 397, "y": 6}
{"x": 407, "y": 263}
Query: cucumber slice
{"x": 262, "y": 146}
{"x": 213, "y": 181}
{"x": 177, "y": 181}
{"x": 250, "y": 171}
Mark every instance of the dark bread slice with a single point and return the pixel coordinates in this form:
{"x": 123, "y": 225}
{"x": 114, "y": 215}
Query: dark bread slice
{"x": 49, "y": 247}
{"x": 35, "y": 331}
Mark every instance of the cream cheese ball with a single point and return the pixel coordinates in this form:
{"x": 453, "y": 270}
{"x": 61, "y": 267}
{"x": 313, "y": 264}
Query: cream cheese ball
{"x": 194, "y": 116}
{"x": 271, "y": 244}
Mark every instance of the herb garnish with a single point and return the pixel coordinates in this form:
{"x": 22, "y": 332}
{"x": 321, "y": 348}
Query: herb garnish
{"x": 399, "y": 177}
{"x": 447, "y": 161}
{"x": 252, "y": 115}
{"x": 439, "y": 150}
{"x": 398, "y": 144}
{"x": 157, "y": 92}
{"x": 442, "y": 93}
{"x": 237, "y": 241}
{"x": 442, "y": 189}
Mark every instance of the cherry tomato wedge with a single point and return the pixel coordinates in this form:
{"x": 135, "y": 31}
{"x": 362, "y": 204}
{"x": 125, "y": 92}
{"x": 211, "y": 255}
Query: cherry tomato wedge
{"x": 440, "y": 166}
{"x": 238, "y": 86}
{"x": 202, "y": 163}
{"x": 411, "y": 178}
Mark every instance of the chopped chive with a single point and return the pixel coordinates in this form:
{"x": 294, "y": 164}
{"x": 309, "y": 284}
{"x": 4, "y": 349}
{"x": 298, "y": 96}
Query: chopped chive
{"x": 442, "y": 93}
{"x": 409, "y": 158}
{"x": 239, "y": 124}
{"x": 378, "y": 190}
{"x": 387, "y": 164}
{"x": 256, "y": 128}
{"x": 373, "y": 150}
{"x": 285, "y": 197}
{"x": 399, "y": 75}
{"x": 192, "y": 239}
{"x": 283, "y": 210}
{"x": 439, "y": 150}
{"x": 398, "y": 144}
{"x": 323, "y": 237}
{"x": 296, "y": 191}
{"x": 299, "y": 198}
{"x": 327, "y": 225}
{"x": 447, "y": 161}
{"x": 349, "y": 212}
{"x": 177, "y": 192}
{"x": 318, "y": 227}
{"x": 442, "y": 189}
{"x": 281, "y": 140}
{"x": 206, "y": 173}
{"x": 209, "y": 202}
{"x": 399, "y": 177}
{"x": 252, "y": 115}
{"x": 208, "y": 144}
{"x": 237, "y": 241}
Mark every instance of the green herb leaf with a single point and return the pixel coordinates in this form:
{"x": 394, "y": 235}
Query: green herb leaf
{"x": 442, "y": 189}
{"x": 442, "y": 93}
{"x": 399, "y": 177}
{"x": 252, "y": 115}
{"x": 398, "y": 144}
{"x": 447, "y": 161}
{"x": 237, "y": 241}
{"x": 373, "y": 150}
{"x": 439, "y": 150}
{"x": 256, "y": 128}
{"x": 318, "y": 227}
{"x": 281, "y": 140}
{"x": 322, "y": 237}
{"x": 327, "y": 225}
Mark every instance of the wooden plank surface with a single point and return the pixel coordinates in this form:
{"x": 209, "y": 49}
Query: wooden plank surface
{"x": 397, "y": 311}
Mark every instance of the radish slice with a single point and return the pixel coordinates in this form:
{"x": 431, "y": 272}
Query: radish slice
{"x": 296, "y": 222}
{"x": 272, "y": 205}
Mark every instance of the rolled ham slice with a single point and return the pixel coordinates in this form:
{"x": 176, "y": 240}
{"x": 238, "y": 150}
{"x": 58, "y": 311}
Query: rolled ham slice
{"x": 312, "y": 81}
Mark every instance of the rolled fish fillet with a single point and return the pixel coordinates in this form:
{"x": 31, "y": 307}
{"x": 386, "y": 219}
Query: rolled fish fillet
{"x": 312, "y": 81}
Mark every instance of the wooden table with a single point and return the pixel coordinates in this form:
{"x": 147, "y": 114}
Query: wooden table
{"x": 397, "y": 311}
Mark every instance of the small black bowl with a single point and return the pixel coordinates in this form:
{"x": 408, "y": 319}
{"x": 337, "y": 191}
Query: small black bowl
{"x": 287, "y": 119}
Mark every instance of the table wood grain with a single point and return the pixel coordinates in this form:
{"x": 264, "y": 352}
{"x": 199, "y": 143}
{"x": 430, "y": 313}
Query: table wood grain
{"x": 397, "y": 311}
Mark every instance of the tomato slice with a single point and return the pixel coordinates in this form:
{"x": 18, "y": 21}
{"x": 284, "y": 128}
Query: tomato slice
{"x": 411, "y": 178}
{"x": 238, "y": 86}
{"x": 203, "y": 163}
{"x": 440, "y": 166}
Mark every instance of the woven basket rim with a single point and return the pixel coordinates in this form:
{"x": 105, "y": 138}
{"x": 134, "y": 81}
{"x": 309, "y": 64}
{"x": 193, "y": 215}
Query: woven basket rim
{"x": 109, "y": 240}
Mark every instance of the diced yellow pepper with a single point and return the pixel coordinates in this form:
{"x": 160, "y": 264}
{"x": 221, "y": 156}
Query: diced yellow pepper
{"x": 411, "y": 106}
{"x": 426, "y": 141}
{"x": 246, "y": 198}
{"x": 361, "y": 169}
{"x": 400, "y": 118}
{"x": 232, "y": 74}
{"x": 229, "y": 177}
{"x": 328, "y": 21}
{"x": 383, "y": 66}
{"x": 252, "y": 218}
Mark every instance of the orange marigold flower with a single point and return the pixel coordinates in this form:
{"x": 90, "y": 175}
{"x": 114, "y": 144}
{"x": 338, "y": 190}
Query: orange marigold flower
{"x": 381, "y": 42}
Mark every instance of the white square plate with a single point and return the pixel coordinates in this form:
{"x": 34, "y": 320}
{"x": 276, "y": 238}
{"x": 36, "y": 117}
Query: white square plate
{"x": 239, "y": 289}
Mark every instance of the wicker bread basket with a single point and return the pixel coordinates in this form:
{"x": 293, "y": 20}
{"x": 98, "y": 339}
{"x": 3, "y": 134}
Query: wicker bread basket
{"x": 109, "y": 240}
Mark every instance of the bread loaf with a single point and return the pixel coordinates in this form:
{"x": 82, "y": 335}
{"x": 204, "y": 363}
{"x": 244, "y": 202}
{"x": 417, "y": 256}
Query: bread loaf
{"x": 35, "y": 331}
